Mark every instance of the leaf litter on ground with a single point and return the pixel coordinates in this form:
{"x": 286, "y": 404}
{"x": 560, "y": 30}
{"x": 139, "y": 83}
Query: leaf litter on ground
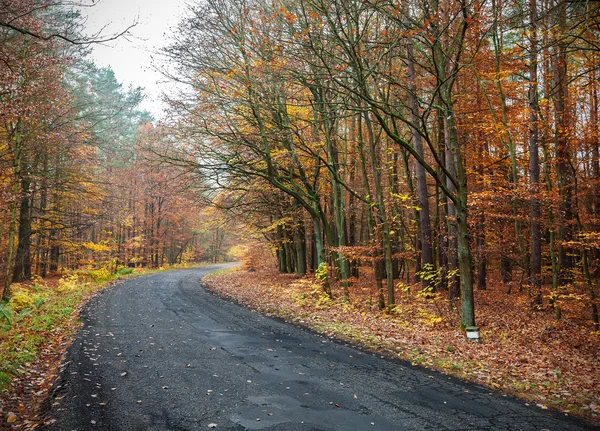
{"x": 529, "y": 354}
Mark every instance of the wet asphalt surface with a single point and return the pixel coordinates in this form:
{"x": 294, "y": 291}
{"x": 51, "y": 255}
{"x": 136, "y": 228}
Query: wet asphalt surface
{"x": 161, "y": 353}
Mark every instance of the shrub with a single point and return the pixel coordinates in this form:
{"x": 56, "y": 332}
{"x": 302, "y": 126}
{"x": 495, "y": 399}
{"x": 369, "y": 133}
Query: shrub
{"x": 101, "y": 274}
{"x": 67, "y": 283}
{"x": 38, "y": 283}
{"x": 21, "y": 300}
{"x": 123, "y": 270}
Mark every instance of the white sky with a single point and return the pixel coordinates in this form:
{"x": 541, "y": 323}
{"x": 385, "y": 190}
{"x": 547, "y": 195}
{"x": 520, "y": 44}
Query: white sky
{"x": 131, "y": 58}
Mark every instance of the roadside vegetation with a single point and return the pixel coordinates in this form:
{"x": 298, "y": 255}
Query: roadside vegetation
{"x": 529, "y": 354}
{"x": 36, "y": 327}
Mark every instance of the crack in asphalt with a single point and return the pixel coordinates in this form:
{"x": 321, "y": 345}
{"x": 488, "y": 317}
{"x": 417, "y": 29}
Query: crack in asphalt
{"x": 159, "y": 352}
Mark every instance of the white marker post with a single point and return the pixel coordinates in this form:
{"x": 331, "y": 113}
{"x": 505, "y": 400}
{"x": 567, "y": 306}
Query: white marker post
{"x": 473, "y": 334}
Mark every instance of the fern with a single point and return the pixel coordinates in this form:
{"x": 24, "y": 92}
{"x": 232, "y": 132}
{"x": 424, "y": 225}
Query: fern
{"x": 6, "y": 317}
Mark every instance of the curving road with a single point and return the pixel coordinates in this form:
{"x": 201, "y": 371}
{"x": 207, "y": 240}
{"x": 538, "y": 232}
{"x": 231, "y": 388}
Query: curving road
{"x": 161, "y": 353}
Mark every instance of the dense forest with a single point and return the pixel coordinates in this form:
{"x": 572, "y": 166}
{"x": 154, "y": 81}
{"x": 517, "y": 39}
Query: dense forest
{"x": 80, "y": 184}
{"x": 421, "y": 143}
{"x": 431, "y": 142}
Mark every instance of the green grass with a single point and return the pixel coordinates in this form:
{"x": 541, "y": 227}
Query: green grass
{"x": 5, "y": 379}
{"x": 34, "y": 328}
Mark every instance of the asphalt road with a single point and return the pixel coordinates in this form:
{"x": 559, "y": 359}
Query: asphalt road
{"x": 161, "y": 353}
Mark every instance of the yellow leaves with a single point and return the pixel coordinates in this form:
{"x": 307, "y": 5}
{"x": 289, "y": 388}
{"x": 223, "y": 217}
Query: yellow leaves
{"x": 403, "y": 197}
{"x": 299, "y": 111}
{"x": 21, "y": 300}
{"x": 278, "y": 153}
{"x": 429, "y": 318}
{"x": 25, "y": 296}
{"x": 231, "y": 73}
{"x": 282, "y": 222}
{"x": 97, "y": 247}
{"x": 238, "y": 252}
{"x": 68, "y": 283}
{"x": 137, "y": 241}
{"x": 101, "y": 274}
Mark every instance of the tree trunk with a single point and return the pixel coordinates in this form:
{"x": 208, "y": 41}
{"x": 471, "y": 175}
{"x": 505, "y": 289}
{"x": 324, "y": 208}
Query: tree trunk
{"x": 453, "y": 259}
{"x": 300, "y": 245}
{"x": 427, "y": 262}
{"x": 535, "y": 265}
{"x": 381, "y": 214}
{"x": 22, "y": 269}
{"x": 12, "y": 224}
{"x": 441, "y": 214}
{"x": 481, "y": 240}
{"x": 564, "y": 172}
{"x": 506, "y": 137}
{"x": 377, "y": 252}
{"x": 336, "y": 189}
{"x": 465, "y": 263}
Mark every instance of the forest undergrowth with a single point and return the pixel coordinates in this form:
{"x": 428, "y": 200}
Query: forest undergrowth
{"x": 529, "y": 354}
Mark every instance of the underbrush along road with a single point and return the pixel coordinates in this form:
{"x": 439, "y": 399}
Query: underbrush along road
{"x": 159, "y": 352}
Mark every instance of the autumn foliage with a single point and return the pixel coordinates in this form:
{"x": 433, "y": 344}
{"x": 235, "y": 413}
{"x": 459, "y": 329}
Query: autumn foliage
{"x": 81, "y": 186}
{"x": 427, "y": 158}
{"x": 418, "y": 160}
{"x": 437, "y": 143}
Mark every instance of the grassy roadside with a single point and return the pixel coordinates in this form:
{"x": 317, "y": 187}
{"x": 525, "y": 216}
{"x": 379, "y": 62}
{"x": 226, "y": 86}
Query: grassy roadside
{"x": 36, "y": 327}
{"x": 548, "y": 363}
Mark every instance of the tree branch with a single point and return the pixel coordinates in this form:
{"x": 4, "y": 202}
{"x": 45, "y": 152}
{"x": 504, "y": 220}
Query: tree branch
{"x": 83, "y": 41}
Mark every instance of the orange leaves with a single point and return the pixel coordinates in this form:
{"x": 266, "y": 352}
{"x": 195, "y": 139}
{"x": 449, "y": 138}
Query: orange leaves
{"x": 290, "y": 17}
{"x": 11, "y": 417}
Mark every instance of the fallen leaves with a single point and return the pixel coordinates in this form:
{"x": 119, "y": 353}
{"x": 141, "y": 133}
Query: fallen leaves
{"x": 35, "y": 363}
{"x": 11, "y": 417}
{"x": 551, "y": 363}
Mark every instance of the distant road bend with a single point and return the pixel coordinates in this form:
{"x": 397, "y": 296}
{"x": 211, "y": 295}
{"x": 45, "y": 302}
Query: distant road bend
{"x": 159, "y": 352}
